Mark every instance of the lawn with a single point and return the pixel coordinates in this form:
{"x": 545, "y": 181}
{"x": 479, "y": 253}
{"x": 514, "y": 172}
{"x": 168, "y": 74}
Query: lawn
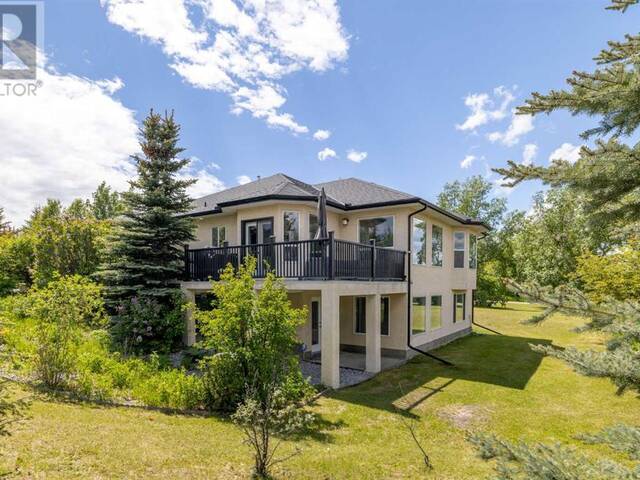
{"x": 498, "y": 384}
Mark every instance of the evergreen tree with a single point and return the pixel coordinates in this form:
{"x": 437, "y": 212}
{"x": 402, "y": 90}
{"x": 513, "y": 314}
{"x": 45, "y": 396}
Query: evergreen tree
{"x": 607, "y": 177}
{"x": 146, "y": 255}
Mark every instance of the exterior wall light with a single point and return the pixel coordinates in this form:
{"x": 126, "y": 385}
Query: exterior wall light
{"x": 345, "y": 221}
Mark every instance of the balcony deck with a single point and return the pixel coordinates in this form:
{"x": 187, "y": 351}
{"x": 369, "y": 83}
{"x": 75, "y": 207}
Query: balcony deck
{"x": 323, "y": 259}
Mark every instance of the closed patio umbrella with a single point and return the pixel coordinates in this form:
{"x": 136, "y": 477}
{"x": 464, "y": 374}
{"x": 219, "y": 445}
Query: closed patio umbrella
{"x": 322, "y": 216}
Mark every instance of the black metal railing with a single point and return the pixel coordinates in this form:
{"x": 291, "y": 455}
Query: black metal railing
{"x": 324, "y": 259}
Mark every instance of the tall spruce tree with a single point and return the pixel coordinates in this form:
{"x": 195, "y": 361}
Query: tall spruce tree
{"x": 146, "y": 253}
{"x": 608, "y": 177}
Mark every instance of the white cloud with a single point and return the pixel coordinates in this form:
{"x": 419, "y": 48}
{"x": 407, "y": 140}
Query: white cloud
{"x": 322, "y": 134}
{"x": 243, "y": 179}
{"x": 326, "y": 153}
{"x": 520, "y": 125}
{"x": 467, "y": 161}
{"x": 566, "y": 151}
{"x": 485, "y": 109}
{"x": 241, "y": 47}
{"x": 88, "y": 140}
{"x": 529, "y": 153}
{"x": 356, "y": 156}
{"x": 205, "y": 185}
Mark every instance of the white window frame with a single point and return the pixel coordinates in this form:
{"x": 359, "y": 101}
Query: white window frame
{"x": 413, "y": 334}
{"x": 393, "y": 230}
{"x": 441, "y": 245}
{"x": 426, "y": 241}
{"x": 473, "y": 254}
{"x": 309, "y": 225}
{"x": 218, "y": 228}
{"x": 285, "y": 212}
{"x": 431, "y": 329}
{"x": 464, "y": 306}
{"x": 464, "y": 248}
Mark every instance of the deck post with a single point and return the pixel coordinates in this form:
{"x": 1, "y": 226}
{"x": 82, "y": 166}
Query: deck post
{"x": 373, "y": 258}
{"x": 330, "y": 337}
{"x": 331, "y": 253}
{"x": 373, "y": 351}
{"x": 189, "y": 337}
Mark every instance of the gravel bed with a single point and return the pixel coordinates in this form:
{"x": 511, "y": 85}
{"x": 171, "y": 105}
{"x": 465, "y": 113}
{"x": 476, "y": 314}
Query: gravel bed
{"x": 348, "y": 376}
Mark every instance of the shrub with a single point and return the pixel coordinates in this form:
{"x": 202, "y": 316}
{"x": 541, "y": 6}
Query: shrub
{"x": 143, "y": 325}
{"x": 171, "y": 388}
{"x": 60, "y": 314}
{"x": 222, "y": 381}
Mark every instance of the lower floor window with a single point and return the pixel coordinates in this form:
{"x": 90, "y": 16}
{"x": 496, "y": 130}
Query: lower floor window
{"x": 419, "y": 315}
{"x": 384, "y": 315}
{"x": 458, "y": 307}
{"x": 435, "y": 314}
{"x": 361, "y": 314}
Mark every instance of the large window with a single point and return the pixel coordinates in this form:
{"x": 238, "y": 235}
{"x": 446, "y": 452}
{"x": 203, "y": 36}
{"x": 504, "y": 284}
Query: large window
{"x": 419, "y": 242}
{"x": 291, "y": 227}
{"x": 436, "y": 246}
{"x": 419, "y": 315}
{"x": 384, "y": 315}
{"x": 361, "y": 315}
{"x": 458, "y": 250}
{"x": 218, "y": 236}
{"x": 473, "y": 251}
{"x": 313, "y": 226}
{"x": 378, "y": 229}
{"x": 458, "y": 307}
{"x": 435, "y": 313}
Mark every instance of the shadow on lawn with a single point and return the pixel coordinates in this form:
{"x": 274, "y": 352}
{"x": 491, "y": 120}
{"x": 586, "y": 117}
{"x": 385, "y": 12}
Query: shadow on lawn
{"x": 499, "y": 360}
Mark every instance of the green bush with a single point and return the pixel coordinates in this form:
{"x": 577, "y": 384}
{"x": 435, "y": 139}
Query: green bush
{"x": 143, "y": 325}
{"x": 171, "y": 388}
{"x": 222, "y": 382}
{"x": 61, "y": 312}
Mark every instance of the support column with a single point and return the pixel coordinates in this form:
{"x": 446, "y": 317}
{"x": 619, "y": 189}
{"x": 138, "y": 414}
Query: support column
{"x": 189, "y": 337}
{"x": 373, "y": 358}
{"x": 330, "y": 338}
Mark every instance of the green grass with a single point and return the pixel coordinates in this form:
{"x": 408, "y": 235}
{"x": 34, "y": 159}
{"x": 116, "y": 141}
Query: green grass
{"x": 508, "y": 389}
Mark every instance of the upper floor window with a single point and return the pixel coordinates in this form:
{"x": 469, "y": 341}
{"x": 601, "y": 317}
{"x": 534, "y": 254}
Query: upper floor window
{"x": 436, "y": 246}
{"x": 379, "y": 229}
{"x": 291, "y": 227}
{"x": 458, "y": 249}
{"x": 218, "y": 236}
{"x": 473, "y": 251}
{"x": 419, "y": 242}
{"x": 313, "y": 226}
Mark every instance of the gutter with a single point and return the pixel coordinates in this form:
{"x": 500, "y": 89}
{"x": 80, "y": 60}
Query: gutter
{"x": 409, "y": 263}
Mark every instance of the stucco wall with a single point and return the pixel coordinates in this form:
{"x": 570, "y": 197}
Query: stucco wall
{"x": 427, "y": 280}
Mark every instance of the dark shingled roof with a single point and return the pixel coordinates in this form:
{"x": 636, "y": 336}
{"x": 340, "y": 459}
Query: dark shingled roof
{"x": 346, "y": 194}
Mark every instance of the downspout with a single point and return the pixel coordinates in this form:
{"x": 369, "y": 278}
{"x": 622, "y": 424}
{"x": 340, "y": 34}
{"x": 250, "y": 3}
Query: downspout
{"x": 409, "y": 263}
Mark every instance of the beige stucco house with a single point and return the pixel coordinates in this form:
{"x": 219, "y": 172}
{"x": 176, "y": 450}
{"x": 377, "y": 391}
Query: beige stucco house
{"x": 395, "y": 273}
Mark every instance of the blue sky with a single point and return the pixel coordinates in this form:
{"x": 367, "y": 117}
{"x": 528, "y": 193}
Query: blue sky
{"x": 386, "y": 78}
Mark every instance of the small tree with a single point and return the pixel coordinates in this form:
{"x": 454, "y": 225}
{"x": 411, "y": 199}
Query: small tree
{"x": 105, "y": 203}
{"x": 254, "y": 335}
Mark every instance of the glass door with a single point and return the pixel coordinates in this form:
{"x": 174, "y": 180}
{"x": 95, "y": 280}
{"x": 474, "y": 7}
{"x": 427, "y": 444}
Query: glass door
{"x": 259, "y": 233}
{"x": 316, "y": 326}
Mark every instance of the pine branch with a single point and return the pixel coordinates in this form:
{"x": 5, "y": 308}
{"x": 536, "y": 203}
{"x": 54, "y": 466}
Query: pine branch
{"x": 622, "y": 438}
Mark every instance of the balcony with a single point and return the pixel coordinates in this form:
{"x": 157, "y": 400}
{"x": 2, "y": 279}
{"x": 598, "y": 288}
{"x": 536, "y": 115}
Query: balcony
{"x": 325, "y": 259}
